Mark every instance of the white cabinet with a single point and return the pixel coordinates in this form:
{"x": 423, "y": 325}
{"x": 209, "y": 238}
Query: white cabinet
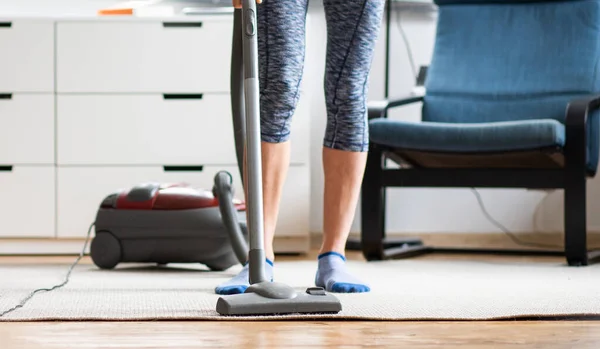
{"x": 27, "y": 173}
{"x": 28, "y": 201}
{"x": 27, "y": 59}
{"x": 27, "y": 129}
{"x": 92, "y": 105}
{"x": 144, "y": 56}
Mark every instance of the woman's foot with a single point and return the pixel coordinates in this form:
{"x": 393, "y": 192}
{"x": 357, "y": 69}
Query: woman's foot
{"x": 240, "y": 282}
{"x": 333, "y": 276}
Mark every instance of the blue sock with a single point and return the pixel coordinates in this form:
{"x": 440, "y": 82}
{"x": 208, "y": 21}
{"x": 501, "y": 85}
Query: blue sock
{"x": 240, "y": 282}
{"x": 333, "y": 276}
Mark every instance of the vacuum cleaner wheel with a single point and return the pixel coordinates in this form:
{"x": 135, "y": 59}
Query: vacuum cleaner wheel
{"x": 105, "y": 250}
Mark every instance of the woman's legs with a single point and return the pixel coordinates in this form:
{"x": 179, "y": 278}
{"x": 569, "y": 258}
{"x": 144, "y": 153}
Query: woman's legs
{"x": 281, "y": 33}
{"x": 353, "y": 29}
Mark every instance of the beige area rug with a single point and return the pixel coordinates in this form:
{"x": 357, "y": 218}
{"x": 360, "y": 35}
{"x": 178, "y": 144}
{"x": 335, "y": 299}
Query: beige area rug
{"x": 401, "y": 290}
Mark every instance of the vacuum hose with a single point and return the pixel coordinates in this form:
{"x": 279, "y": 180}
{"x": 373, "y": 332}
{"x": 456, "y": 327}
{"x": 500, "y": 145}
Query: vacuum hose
{"x": 223, "y": 190}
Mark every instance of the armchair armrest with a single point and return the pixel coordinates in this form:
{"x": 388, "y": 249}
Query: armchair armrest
{"x": 378, "y": 109}
{"x": 576, "y": 129}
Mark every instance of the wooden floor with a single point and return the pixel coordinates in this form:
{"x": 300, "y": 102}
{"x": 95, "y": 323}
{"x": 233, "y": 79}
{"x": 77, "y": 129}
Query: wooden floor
{"x": 305, "y": 334}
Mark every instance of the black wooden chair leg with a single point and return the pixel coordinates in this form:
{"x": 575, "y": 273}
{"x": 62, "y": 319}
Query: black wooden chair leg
{"x": 575, "y": 221}
{"x": 577, "y": 128}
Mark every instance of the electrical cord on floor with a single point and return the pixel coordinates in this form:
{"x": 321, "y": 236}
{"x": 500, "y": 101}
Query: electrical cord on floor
{"x": 67, "y": 278}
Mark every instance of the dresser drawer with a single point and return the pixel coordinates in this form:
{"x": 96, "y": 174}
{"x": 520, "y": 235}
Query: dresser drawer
{"x": 144, "y": 130}
{"x": 27, "y": 59}
{"x": 27, "y": 203}
{"x": 82, "y": 189}
{"x": 154, "y": 130}
{"x": 26, "y": 129}
{"x": 144, "y": 56}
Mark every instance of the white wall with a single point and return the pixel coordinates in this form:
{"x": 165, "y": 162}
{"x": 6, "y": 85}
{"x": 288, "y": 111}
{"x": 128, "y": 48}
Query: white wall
{"x": 426, "y": 210}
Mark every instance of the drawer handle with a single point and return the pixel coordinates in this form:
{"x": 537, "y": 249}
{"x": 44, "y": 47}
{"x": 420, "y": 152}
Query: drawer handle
{"x": 182, "y": 95}
{"x": 198, "y": 168}
{"x": 6, "y": 168}
{"x": 182, "y": 24}
{"x": 5, "y": 95}
{"x": 5, "y": 24}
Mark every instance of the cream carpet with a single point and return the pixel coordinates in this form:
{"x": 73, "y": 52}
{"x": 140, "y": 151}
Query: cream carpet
{"x": 401, "y": 290}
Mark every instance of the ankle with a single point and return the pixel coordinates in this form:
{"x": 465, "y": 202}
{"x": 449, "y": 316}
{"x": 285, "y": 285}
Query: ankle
{"x": 333, "y": 248}
{"x": 329, "y": 260}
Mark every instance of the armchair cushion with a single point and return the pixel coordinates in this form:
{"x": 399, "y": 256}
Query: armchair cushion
{"x": 506, "y": 136}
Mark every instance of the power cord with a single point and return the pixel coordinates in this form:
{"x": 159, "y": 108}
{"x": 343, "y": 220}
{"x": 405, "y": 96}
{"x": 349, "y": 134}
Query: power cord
{"x": 409, "y": 52}
{"x": 67, "y": 278}
{"x": 510, "y": 234}
{"x": 485, "y": 212}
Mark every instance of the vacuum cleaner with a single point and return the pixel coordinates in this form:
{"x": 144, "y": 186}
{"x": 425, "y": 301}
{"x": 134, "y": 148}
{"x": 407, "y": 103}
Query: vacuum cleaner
{"x": 167, "y": 223}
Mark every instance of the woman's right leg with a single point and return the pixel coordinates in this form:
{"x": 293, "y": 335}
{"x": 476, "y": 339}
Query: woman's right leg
{"x": 281, "y": 37}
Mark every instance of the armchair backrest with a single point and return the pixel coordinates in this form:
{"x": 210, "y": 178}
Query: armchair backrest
{"x": 501, "y": 60}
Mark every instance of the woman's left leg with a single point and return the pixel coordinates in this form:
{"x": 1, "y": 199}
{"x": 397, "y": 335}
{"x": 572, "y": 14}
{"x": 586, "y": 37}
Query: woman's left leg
{"x": 353, "y": 29}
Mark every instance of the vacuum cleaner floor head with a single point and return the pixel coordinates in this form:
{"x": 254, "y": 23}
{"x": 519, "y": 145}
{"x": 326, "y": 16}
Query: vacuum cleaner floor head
{"x": 271, "y": 298}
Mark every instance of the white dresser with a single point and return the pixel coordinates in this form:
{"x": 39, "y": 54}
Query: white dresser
{"x": 89, "y": 105}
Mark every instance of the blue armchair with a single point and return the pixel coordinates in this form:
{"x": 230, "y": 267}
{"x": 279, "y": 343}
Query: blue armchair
{"x": 512, "y": 97}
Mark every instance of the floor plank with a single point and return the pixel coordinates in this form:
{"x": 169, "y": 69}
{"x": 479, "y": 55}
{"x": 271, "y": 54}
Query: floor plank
{"x": 414, "y": 335}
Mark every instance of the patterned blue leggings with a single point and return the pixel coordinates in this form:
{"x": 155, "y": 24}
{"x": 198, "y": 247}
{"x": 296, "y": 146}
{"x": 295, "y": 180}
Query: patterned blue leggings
{"x": 352, "y": 31}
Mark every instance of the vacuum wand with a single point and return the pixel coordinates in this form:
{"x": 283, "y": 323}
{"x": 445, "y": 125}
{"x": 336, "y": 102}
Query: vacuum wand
{"x": 253, "y": 179}
{"x": 262, "y": 296}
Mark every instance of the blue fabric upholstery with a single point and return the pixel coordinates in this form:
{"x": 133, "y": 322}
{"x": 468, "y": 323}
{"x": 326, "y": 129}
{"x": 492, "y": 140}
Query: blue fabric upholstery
{"x": 487, "y": 2}
{"x": 515, "y": 63}
{"x": 484, "y": 137}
